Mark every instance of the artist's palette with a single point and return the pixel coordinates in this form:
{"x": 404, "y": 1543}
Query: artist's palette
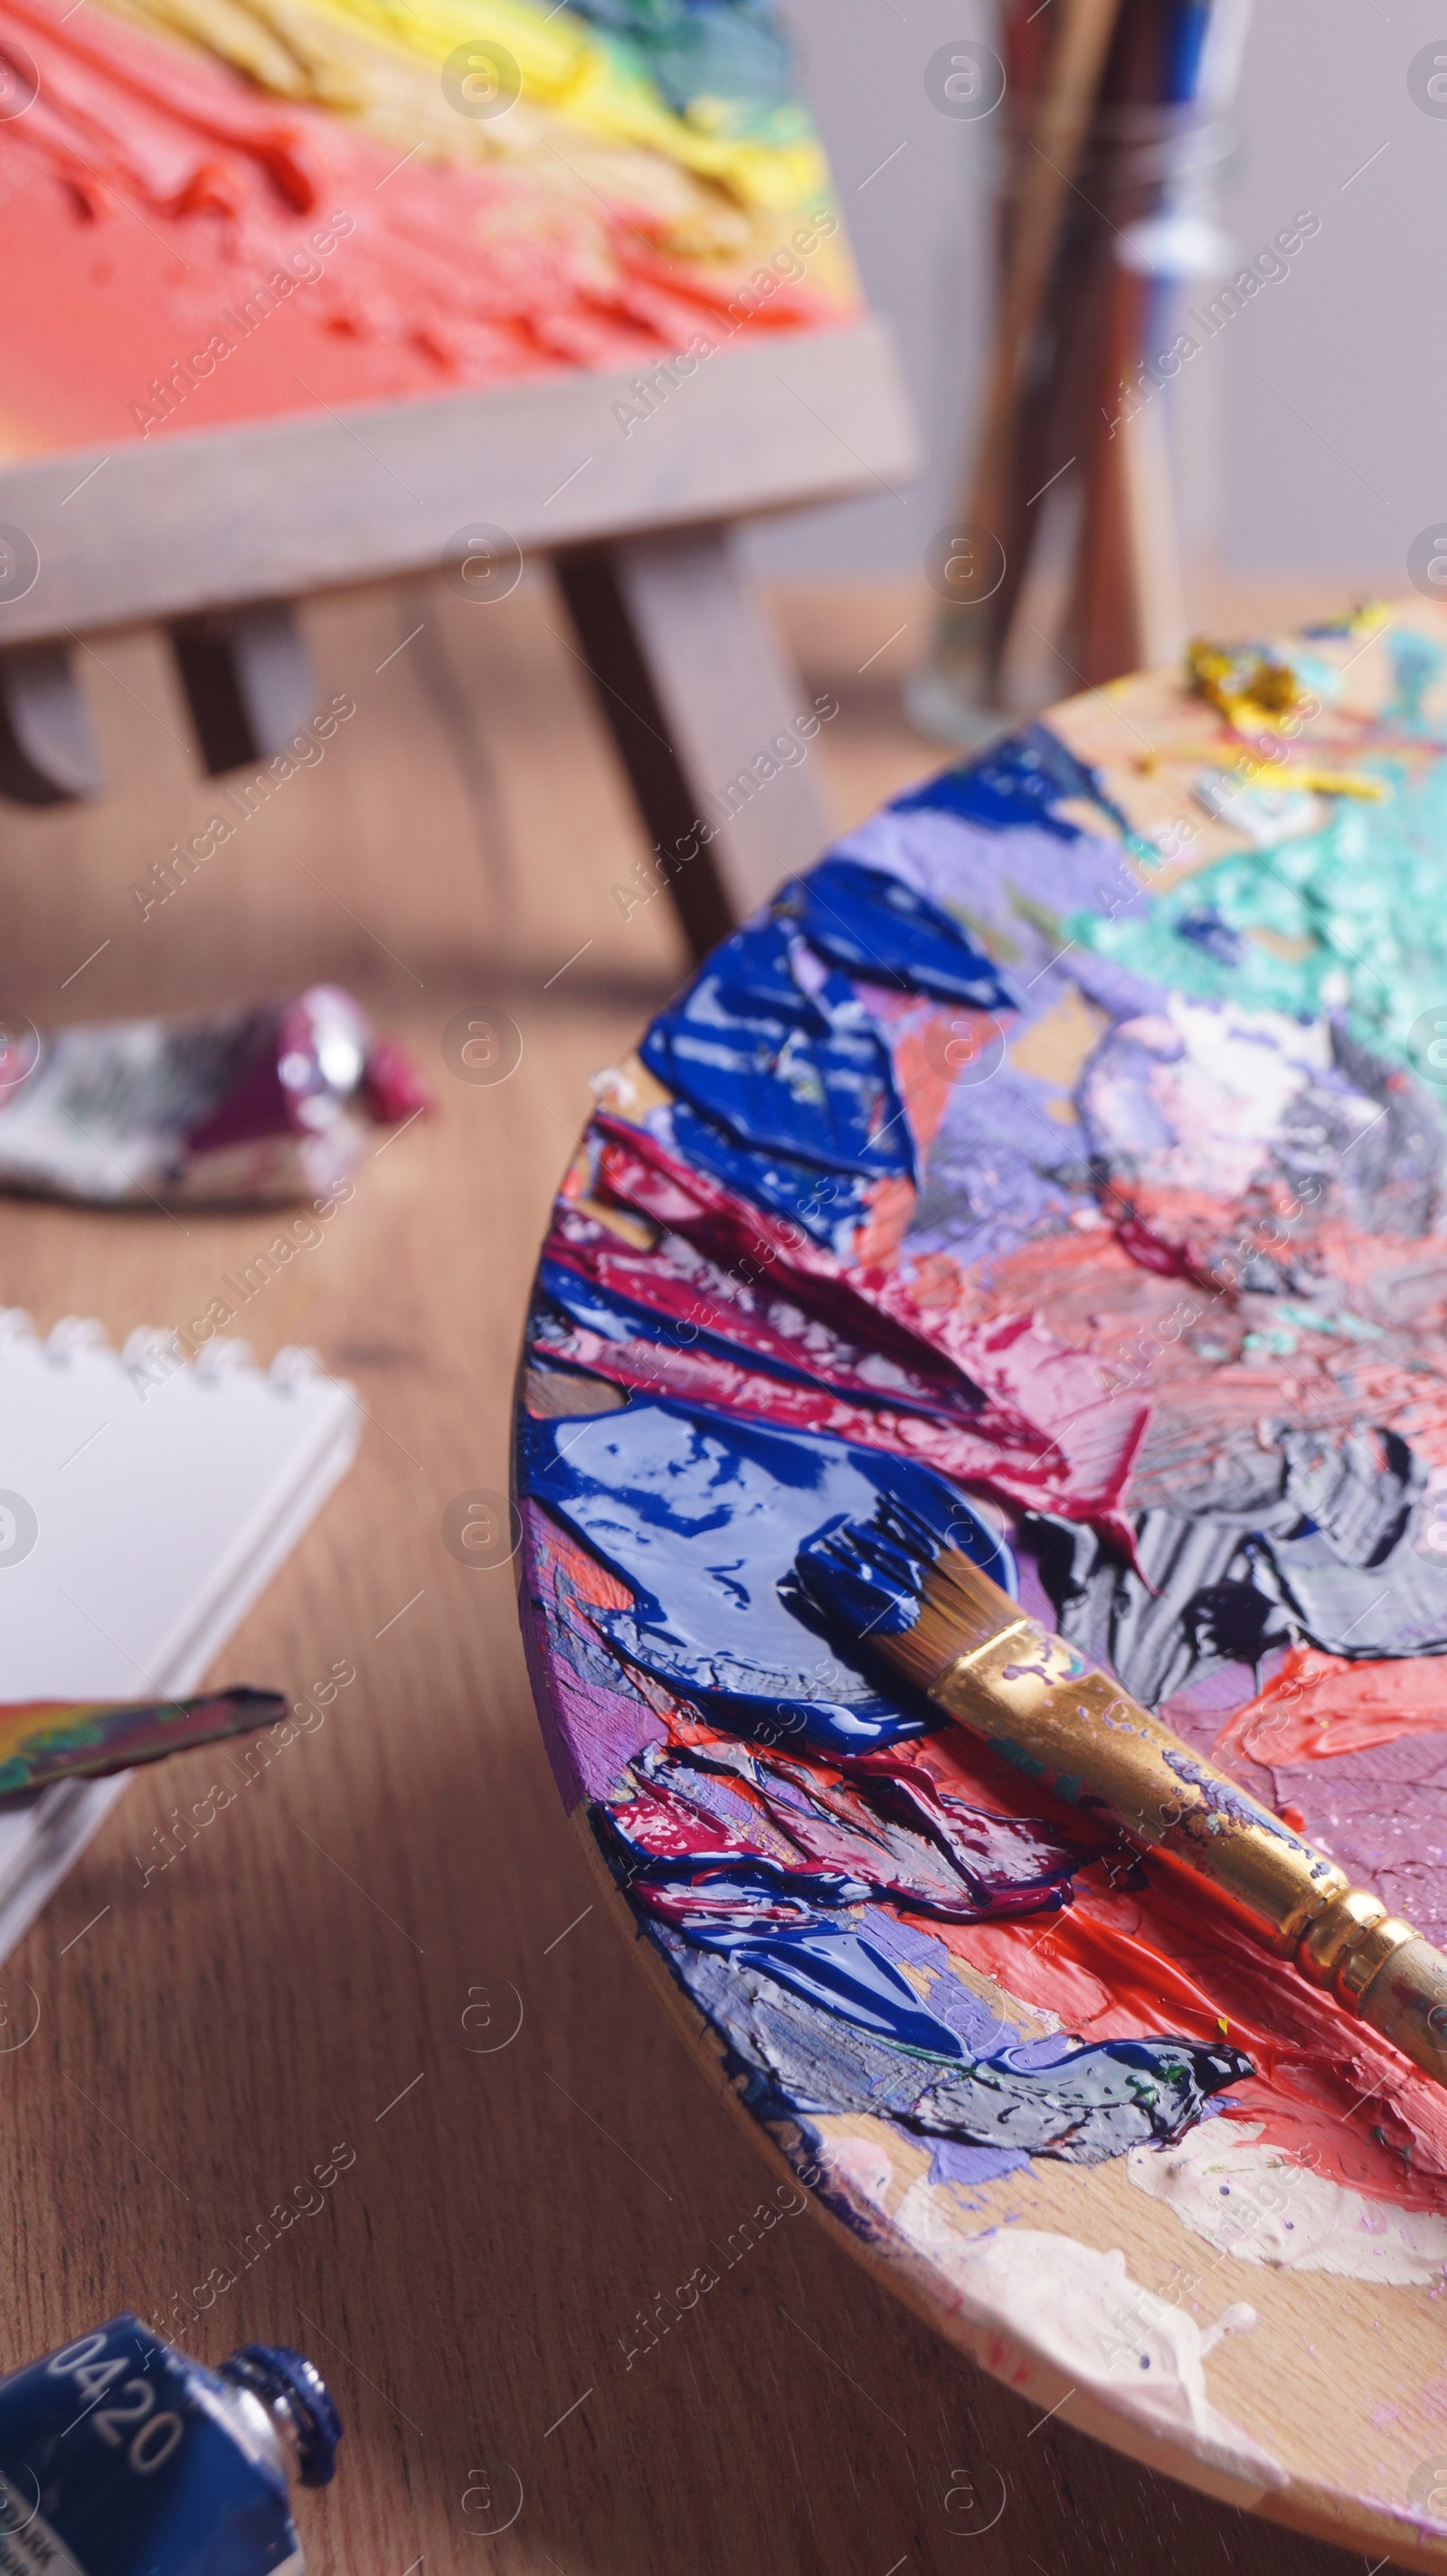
{"x": 1067, "y": 1155}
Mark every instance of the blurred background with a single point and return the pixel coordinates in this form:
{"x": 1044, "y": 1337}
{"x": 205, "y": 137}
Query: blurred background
{"x": 1308, "y": 436}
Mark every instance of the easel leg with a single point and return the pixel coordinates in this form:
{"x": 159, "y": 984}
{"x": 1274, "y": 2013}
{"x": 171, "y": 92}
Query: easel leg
{"x": 703, "y": 711}
{"x": 48, "y": 748}
{"x": 249, "y": 682}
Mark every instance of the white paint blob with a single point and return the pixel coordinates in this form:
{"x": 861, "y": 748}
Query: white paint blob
{"x": 1196, "y": 1095}
{"x": 1257, "y": 2203}
{"x": 1054, "y": 2315}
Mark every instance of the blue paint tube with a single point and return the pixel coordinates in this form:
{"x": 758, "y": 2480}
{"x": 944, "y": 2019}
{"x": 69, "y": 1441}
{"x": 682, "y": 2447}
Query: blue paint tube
{"x": 121, "y": 2457}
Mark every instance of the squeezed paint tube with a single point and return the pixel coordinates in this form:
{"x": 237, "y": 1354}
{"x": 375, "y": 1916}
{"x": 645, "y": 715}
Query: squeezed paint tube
{"x": 121, "y": 2457}
{"x": 269, "y": 1102}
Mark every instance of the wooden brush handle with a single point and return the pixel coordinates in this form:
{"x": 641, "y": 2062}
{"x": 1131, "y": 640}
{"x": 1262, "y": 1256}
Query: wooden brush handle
{"x": 1062, "y": 114}
{"x": 1039, "y": 1704}
{"x": 972, "y": 633}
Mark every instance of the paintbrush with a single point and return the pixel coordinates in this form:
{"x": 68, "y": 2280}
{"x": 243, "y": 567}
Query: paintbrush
{"x": 46, "y": 1740}
{"x": 969, "y": 640}
{"x": 930, "y": 1614}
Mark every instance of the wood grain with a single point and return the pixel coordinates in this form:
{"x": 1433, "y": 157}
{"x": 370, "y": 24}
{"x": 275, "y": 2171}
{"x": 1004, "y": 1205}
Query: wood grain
{"x": 207, "y": 2038}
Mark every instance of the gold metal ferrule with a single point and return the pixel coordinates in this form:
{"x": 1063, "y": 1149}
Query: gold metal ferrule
{"x": 1061, "y": 1721}
{"x": 1036, "y": 1701}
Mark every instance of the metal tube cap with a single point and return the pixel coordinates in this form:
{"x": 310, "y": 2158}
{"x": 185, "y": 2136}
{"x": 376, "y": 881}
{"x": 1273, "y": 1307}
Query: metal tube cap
{"x": 294, "y": 2389}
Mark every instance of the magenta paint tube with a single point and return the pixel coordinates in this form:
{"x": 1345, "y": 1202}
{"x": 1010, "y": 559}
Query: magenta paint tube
{"x": 272, "y": 1102}
{"x": 121, "y": 2457}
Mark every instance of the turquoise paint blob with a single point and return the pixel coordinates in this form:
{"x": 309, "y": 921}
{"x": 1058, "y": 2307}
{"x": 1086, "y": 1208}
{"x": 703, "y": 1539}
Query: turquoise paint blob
{"x": 1352, "y": 918}
{"x": 1416, "y": 667}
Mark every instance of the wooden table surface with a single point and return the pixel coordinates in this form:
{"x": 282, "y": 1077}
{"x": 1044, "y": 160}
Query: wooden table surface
{"x": 384, "y": 1958}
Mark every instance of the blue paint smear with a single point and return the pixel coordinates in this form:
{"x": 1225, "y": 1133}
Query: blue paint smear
{"x": 838, "y": 1971}
{"x": 1206, "y": 930}
{"x": 1014, "y": 782}
{"x": 702, "y": 1515}
{"x": 782, "y": 1070}
{"x": 1013, "y": 894}
{"x": 829, "y": 1205}
{"x": 846, "y": 2052}
{"x": 952, "y": 2160}
{"x": 981, "y": 2032}
{"x": 821, "y": 2017}
{"x": 872, "y": 924}
{"x": 867, "y": 1576}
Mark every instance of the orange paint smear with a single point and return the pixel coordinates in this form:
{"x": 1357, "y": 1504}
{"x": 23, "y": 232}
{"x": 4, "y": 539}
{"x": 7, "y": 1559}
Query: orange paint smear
{"x": 891, "y": 1207}
{"x": 918, "y": 1051}
{"x": 148, "y": 193}
{"x": 922, "y": 1068}
{"x": 591, "y": 1581}
{"x": 1318, "y": 1704}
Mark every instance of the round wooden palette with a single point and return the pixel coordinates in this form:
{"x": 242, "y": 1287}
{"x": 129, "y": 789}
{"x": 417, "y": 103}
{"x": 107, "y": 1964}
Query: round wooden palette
{"x": 1179, "y": 1220}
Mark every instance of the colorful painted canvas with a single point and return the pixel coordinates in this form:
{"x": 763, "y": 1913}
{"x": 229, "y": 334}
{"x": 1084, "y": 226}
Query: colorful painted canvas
{"x": 1066, "y": 1155}
{"x": 224, "y": 210}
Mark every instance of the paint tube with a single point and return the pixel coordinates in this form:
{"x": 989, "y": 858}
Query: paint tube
{"x": 263, "y": 1103}
{"x": 121, "y": 2457}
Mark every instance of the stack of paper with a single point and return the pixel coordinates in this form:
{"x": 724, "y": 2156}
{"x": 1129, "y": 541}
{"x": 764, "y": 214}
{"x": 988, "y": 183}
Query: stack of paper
{"x": 145, "y": 1502}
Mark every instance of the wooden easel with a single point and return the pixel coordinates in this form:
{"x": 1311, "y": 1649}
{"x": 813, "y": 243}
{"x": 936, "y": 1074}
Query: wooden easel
{"x": 216, "y": 536}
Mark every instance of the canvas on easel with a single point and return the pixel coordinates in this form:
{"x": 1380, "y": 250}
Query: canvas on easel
{"x": 318, "y": 291}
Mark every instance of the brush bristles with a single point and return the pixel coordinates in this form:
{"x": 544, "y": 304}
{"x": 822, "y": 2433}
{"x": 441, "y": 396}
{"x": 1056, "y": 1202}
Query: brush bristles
{"x": 960, "y": 1610}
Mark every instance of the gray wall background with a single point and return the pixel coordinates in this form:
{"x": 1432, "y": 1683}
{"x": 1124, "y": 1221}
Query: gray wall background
{"x": 1312, "y": 434}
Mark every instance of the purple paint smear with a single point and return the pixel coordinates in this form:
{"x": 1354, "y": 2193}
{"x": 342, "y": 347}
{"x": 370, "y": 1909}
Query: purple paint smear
{"x": 597, "y": 1727}
{"x": 1382, "y": 1815}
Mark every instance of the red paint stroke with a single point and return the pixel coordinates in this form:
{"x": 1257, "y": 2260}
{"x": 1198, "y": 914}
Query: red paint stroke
{"x": 1058, "y": 1434}
{"x": 1199, "y": 1357}
{"x": 1150, "y": 1251}
{"x": 1327, "y": 2089}
{"x": 703, "y": 1377}
{"x": 1158, "y": 1958}
{"x": 692, "y": 1295}
{"x": 882, "y": 1822}
{"x": 1140, "y": 1952}
{"x": 1319, "y": 1704}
